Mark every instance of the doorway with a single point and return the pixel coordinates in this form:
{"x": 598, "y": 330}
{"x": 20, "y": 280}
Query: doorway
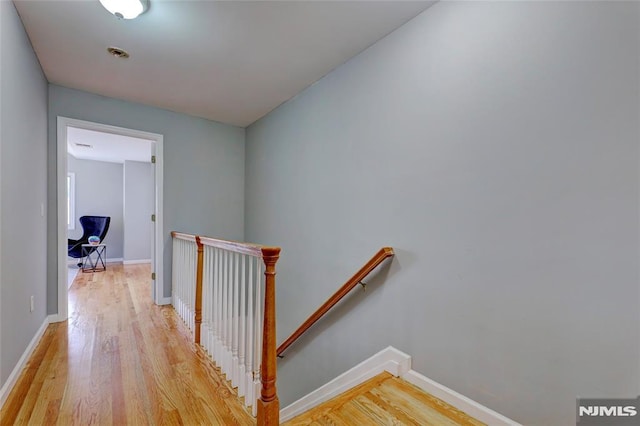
{"x": 66, "y": 126}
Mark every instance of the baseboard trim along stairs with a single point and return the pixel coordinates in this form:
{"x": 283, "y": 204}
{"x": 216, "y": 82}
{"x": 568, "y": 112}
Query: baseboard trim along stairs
{"x": 398, "y": 364}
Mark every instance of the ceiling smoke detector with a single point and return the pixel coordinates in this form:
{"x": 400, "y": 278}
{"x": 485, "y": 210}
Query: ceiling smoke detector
{"x": 117, "y": 52}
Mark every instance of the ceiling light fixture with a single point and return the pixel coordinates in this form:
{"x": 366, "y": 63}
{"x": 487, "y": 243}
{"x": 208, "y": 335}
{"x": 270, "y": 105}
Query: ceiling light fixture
{"x": 126, "y": 9}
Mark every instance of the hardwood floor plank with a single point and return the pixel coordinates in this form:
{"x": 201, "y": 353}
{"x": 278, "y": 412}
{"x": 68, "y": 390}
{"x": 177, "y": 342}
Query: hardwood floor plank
{"x": 403, "y": 417}
{"x": 119, "y": 359}
{"x": 417, "y": 403}
{"x": 378, "y": 413}
{"x": 384, "y": 400}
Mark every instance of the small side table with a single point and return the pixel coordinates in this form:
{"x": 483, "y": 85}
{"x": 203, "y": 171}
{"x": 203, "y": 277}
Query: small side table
{"x": 88, "y": 264}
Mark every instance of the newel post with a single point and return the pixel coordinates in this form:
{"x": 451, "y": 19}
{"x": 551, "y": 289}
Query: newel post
{"x": 199, "y": 266}
{"x": 268, "y": 404}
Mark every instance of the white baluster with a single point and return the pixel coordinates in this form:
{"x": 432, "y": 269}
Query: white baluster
{"x": 173, "y": 273}
{"x": 187, "y": 300}
{"x": 229, "y": 371}
{"x": 190, "y": 290}
{"x": 236, "y": 318}
{"x": 187, "y": 284}
{"x": 212, "y": 301}
{"x": 182, "y": 278}
{"x": 242, "y": 337}
{"x": 221, "y": 312}
{"x": 204, "y": 328}
{"x": 257, "y": 358}
{"x": 218, "y": 307}
{"x": 178, "y": 280}
{"x": 223, "y": 305}
{"x": 203, "y": 307}
{"x": 229, "y": 322}
{"x": 192, "y": 298}
{"x": 176, "y": 284}
{"x": 190, "y": 287}
{"x": 180, "y": 268}
{"x": 183, "y": 272}
{"x": 248, "y": 399}
{"x": 190, "y": 279}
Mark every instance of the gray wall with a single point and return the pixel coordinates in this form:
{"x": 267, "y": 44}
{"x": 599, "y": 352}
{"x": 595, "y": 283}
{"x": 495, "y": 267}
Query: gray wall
{"x": 138, "y": 207}
{"x": 99, "y": 192}
{"x": 495, "y": 146}
{"x": 23, "y": 174}
{"x": 203, "y": 170}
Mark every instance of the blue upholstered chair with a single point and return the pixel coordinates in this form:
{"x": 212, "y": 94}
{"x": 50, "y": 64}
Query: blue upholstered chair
{"x": 91, "y": 225}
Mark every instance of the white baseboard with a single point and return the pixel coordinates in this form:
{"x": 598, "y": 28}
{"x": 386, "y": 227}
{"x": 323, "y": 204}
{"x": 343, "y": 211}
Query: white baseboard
{"x": 135, "y": 262}
{"x": 165, "y": 301}
{"x": 388, "y": 359}
{"x": 15, "y": 374}
{"x": 399, "y": 364}
{"x": 56, "y": 318}
{"x": 461, "y": 402}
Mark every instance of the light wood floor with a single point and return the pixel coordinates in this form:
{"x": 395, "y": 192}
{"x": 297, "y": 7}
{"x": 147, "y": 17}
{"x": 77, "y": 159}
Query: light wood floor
{"x": 384, "y": 400}
{"x": 120, "y": 360}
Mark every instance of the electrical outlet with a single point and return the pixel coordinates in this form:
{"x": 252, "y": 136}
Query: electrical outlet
{"x": 33, "y": 304}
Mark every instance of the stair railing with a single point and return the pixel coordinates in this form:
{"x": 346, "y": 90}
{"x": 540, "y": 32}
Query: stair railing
{"x": 356, "y": 279}
{"x": 183, "y": 277}
{"x": 225, "y": 293}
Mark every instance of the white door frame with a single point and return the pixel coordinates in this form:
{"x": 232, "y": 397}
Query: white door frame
{"x": 157, "y": 261}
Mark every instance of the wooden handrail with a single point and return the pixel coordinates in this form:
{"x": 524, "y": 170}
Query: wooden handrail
{"x": 376, "y": 260}
{"x": 183, "y": 236}
{"x": 235, "y": 246}
{"x": 243, "y": 248}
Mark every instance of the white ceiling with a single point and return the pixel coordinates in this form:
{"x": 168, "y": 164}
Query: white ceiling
{"x": 107, "y": 146}
{"x": 229, "y": 61}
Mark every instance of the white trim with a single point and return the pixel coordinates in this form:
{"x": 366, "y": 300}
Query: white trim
{"x": 399, "y": 364}
{"x": 62, "y": 214}
{"x": 56, "y": 318}
{"x": 2, "y": 239}
{"x": 388, "y": 359}
{"x": 71, "y": 215}
{"x": 135, "y": 262}
{"x": 15, "y": 374}
{"x": 461, "y": 402}
{"x": 61, "y": 146}
{"x": 165, "y": 301}
{"x": 70, "y": 272}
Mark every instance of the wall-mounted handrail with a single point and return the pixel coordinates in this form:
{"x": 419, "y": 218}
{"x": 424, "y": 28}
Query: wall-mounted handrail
{"x": 221, "y": 279}
{"x": 376, "y": 260}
